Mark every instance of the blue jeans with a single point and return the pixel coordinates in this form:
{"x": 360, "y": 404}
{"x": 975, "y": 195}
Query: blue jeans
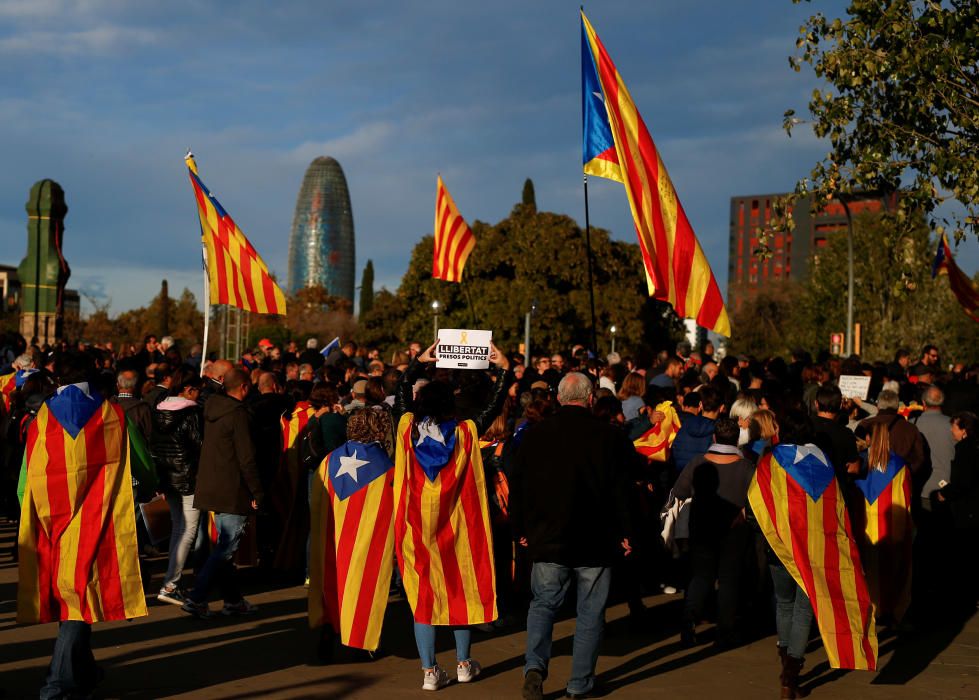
{"x": 549, "y": 584}
{"x": 219, "y": 567}
{"x": 72, "y": 673}
{"x": 425, "y": 639}
{"x": 184, "y": 519}
{"x": 793, "y": 612}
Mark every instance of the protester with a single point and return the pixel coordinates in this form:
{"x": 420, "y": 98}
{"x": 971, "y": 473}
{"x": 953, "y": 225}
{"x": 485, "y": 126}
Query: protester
{"x": 228, "y": 485}
{"x": 574, "y": 533}
{"x": 962, "y": 494}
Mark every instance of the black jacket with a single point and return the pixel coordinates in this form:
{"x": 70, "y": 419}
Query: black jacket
{"x": 227, "y": 480}
{"x": 569, "y": 495}
{"x": 962, "y": 490}
{"x": 176, "y": 446}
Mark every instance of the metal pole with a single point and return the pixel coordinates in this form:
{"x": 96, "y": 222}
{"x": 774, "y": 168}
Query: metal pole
{"x": 526, "y": 341}
{"x": 591, "y": 286}
{"x": 207, "y": 309}
{"x": 613, "y": 343}
{"x": 435, "y": 326}
{"x": 848, "y": 340}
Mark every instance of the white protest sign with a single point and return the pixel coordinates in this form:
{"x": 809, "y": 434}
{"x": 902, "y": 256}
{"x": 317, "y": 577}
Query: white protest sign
{"x": 463, "y": 349}
{"x": 854, "y": 386}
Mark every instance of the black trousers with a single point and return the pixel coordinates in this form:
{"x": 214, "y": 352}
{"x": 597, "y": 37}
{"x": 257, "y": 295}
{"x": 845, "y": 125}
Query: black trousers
{"x": 720, "y": 560}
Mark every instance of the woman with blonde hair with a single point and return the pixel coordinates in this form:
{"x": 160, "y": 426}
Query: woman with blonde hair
{"x": 762, "y": 434}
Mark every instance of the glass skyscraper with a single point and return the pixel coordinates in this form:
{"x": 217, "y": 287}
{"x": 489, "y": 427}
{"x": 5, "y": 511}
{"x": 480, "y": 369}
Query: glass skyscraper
{"x": 321, "y": 245}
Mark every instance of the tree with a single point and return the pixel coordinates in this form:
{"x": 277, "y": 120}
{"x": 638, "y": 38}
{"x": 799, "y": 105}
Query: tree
{"x": 529, "y": 199}
{"x": 534, "y": 256}
{"x": 902, "y": 111}
{"x": 765, "y": 326}
{"x": 380, "y": 326}
{"x": 367, "y": 288}
{"x": 896, "y": 301}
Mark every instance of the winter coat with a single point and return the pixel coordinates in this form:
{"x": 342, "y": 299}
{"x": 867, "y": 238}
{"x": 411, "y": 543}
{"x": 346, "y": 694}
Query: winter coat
{"x": 176, "y": 444}
{"x": 227, "y": 479}
{"x": 962, "y": 490}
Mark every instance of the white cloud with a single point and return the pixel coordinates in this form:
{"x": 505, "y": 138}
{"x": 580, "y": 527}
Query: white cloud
{"x": 363, "y": 140}
{"x": 104, "y": 39}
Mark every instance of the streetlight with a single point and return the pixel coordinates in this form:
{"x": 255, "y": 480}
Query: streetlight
{"x": 435, "y": 313}
{"x": 612, "y": 330}
{"x": 526, "y": 333}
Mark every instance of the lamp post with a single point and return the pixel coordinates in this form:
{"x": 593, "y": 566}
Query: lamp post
{"x": 612, "y": 330}
{"x": 526, "y": 334}
{"x": 435, "y": 319}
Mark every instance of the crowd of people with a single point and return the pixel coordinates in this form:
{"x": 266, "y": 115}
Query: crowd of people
{"x": 625, "y": 476}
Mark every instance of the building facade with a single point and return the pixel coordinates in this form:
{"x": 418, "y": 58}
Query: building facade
{"x": 321, "y": 244}
{"x": 791, "y": 251}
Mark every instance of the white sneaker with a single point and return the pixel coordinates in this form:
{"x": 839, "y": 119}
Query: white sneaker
{"x": 435, "y": 679}
{"x": 468, "y": 670}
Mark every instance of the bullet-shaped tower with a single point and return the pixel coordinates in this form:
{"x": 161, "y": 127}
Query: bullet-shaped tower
{"x": 321, "y": 245}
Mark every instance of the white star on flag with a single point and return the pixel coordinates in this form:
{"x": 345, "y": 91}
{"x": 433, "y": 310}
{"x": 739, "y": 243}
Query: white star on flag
{"x": 350, "y": 465}
{"x": 803, "y": 451}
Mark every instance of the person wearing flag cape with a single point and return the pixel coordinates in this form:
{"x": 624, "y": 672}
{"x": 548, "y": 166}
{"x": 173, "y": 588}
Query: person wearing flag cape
{"x": 79, "y": 562}
{"x": 814, "y": 561}
{"x": 443, "y": 537}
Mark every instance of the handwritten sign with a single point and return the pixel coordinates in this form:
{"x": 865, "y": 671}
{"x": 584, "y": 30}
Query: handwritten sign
{"x": 463, "y": 349}
{"x": 854, "y": 386}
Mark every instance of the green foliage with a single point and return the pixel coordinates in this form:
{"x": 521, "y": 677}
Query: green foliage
{"x": 367, "y": 288}
{"x": 380, "y": 327}
{"x": 183, "y": 319}
{"x": 896, "y": 301}
{"x": 902, "y": 109}
{"x": 529, "y": 199}
{"x": 530, "y": 256}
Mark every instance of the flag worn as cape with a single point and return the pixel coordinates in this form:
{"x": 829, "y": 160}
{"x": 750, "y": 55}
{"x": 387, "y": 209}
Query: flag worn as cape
{"x": 617, "y": 146}
{"x": 236, "y": 273}
{"x": 454, "y": 240}
{"x": 442, "y": 525}
{"x": 8, "y": 382}
{"x": 288, "y": 492}
{"x": 887, "y": 535}
{"x": 351, "y": 542}
{"x": 78, "y": 553}
{"x": 962, "y": 287}
{"x": 799, "y": 506}
{"x": 655, "y": 443}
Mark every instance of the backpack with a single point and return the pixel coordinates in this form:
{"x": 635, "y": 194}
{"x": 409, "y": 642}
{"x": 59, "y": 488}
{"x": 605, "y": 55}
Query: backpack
{"x": 311, "y": 447}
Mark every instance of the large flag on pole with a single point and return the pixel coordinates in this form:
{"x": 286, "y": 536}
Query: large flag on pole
{"x": 454, "y": 241}
{"x": 961, "y": 285}
{"x": 799, "y": 507}
{"x": 237, "y": 275}
{"x": 617, "y": 146}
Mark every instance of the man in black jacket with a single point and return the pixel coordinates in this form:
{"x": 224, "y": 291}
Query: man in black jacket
{"x": 229, "y": 486}
{"x": 570, "y": 508}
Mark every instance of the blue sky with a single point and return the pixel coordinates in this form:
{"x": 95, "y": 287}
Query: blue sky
{"x": 106, "y": 95}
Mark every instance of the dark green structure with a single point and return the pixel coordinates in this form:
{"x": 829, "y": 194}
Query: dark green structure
{"x": 44, "y": 272}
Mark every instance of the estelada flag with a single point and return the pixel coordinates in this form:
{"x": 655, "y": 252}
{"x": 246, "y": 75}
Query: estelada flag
{"x": 442, "y": 526}
{"x": 799, "y": 506}
{"x": 888, "y": 530}
{"x": 655, "y": 443}
{"x": 78, "y": 553}
{"x": 454, "y": 240}
{"x": 7, "y": 386}
{"x": 617, "y": 146}
{"x": 236, "y": 273}
{"x": 351, "y": 542}
{"x": 962, "y": 287}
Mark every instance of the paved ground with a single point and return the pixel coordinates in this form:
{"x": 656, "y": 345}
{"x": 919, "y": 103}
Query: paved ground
{"x": 169, "y": 654}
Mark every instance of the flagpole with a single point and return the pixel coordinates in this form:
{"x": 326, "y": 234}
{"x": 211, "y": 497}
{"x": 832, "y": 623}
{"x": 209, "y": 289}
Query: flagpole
{"x": 591, "y": 286}
{"x": 207, "y": 306}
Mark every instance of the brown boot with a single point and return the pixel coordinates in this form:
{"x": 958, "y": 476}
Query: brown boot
{"x": 783, "y": 654}
{"x": 790, "y": 679}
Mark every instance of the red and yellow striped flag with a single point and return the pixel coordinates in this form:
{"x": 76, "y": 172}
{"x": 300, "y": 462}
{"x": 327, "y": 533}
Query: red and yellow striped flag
{"x": 8, "y": 382}
{"x": 454, "y": 241}
{"x": 442, "y": 530}
{"x": 618, "y": 146}
{"x": 236, "y": 273}
{"x": 292, "y": 426}
{"x": 887, "y": 534}
{"x": 655, "y": 443}
{"x": 77, "y": 541}
{"x": 352, "y": 530}
{"x": 799, "y": 507}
